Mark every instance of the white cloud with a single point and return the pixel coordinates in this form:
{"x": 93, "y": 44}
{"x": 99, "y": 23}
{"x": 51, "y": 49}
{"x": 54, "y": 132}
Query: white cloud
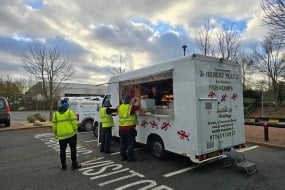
{"x": 255, "y": 31}
{"x": 91, "y": 31}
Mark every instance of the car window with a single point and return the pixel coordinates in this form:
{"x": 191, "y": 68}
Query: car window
{"x": 2, "y": 104}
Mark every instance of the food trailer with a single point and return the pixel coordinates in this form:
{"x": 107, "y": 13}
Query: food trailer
{"x": 201, "y": 115}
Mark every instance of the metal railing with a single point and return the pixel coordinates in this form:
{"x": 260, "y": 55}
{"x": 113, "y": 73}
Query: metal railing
{"x": 278, "y": 122}
{"x": 249, "y": 108}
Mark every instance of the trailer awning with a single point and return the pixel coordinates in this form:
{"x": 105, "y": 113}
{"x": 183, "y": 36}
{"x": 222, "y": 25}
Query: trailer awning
{"x": 162, "y": 75}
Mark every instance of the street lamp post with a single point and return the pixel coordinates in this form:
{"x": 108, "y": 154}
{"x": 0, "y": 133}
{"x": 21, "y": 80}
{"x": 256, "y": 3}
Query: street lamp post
{"x": 184, "y": 48}
{"x": 261, "y": 102}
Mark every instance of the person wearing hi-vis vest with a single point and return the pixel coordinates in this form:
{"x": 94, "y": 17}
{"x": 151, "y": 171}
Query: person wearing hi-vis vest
{"x": 127, "y": 128}
{"x": 107, "y": 125}
{"x": 64, "y": 125}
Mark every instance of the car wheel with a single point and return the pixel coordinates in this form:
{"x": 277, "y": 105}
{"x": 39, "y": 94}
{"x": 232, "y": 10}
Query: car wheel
{"x": 8, "y": 123}
{"x": 88, "y": 125}
{"x": 157, "y": 148}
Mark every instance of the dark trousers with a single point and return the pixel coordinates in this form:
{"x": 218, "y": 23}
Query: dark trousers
{"x": 127, "y": 140}
{"x": 106, "y": 138}
{"x": 72, "y": 141}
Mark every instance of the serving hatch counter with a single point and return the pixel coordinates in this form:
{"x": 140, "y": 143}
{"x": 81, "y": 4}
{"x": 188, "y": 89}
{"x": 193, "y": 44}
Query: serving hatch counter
{"x": 157, "y": 112}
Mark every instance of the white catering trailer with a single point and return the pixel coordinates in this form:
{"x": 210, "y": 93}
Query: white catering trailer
{"x": 201, "y": 115}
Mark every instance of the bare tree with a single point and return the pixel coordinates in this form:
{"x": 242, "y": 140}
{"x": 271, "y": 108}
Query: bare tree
{"x": 204, "y": 41}
{"x": 119, "y": 65}
{"x": 228, "y": 42}
{"x": 246, "y": 64}
{"x": 269, "y": 59}
{"x": 47, "y": 66}
{"x": 274, "y": 16}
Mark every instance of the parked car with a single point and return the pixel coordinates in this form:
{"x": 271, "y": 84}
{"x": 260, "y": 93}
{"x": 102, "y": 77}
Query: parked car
{"x": 5, "y": 113}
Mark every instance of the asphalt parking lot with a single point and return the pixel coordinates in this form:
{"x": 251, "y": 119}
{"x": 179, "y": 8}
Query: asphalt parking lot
{"x": 30, "y": 160}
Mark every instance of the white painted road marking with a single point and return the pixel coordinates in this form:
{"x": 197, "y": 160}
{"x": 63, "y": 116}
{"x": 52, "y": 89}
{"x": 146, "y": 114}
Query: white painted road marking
{"x": 90, "y": 141}
{"x": 107, "y": 170}
{"x": 112, "y": 172}
{"x": 247, "y": 149}
{"x": 187, "y": 169}
{"x": 196, "y": 166}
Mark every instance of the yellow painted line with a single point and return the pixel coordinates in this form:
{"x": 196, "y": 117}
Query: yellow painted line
{"x": 273, "y": 121}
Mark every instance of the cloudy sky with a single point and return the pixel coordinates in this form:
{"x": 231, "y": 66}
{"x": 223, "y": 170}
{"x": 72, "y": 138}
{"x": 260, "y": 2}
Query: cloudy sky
{"x": 91, "y": 32}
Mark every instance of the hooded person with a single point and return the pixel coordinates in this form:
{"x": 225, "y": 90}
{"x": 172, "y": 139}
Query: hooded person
{"x": 127, "y": 128}
{"x": 107, "y": 125}
{"x": 65, "y": 126}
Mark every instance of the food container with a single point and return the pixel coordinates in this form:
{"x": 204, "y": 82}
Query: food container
{"x": 147, "y": 103}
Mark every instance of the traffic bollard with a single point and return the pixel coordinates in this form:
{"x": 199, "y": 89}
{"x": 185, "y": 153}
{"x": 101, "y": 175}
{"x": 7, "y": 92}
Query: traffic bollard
{"x": 265, "y": 131}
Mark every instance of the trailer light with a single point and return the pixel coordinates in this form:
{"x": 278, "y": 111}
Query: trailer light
{"x": 201, "y": 157}
{"x": 240, "y": 146}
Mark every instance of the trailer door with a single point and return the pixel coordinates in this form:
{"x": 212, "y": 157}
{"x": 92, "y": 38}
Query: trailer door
{"x": 208, "y": 125}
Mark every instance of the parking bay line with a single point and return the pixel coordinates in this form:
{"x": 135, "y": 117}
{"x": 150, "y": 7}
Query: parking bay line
{"x": 187, "y": 169}
{"x": 196, "y": 166}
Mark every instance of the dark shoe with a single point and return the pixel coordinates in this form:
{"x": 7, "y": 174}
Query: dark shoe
{"x": 124, "y": 158}
{"x": 76, "y": 166}
{"x": 109, "y": 152}
{"x": 131, "y": 159}
{"x": 63, "y": 167}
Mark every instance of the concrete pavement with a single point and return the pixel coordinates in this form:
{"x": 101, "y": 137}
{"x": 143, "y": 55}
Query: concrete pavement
{"x": 24, "y": 125}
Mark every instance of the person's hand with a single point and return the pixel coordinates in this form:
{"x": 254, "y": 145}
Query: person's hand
{"x": 137, "y": 103}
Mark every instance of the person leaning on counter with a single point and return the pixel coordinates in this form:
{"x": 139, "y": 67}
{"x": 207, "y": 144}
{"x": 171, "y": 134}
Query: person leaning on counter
{"x": 156, "y": 95}
{"x": 127, "y": 128}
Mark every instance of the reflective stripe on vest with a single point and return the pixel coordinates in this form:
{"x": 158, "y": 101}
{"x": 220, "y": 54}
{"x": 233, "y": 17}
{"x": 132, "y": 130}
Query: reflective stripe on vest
{"x": 63, "y": 120}
{"x": 125, "y": 117}
{"x": 106, "y": 120}
{"x": 65, "y": 127}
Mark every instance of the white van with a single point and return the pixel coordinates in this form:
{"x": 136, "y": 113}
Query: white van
{"x": 86, "y": 110}
{"x": 201, "y": 115}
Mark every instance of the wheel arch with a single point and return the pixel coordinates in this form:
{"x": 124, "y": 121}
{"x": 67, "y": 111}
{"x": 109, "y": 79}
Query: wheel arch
{"x": 156, "y": 146}
{"x": 153, "y": 136}
{"x": 87, "y": 119}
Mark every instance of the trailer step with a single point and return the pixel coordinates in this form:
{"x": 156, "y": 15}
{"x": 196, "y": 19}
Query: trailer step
{"x": 238, "y": 159}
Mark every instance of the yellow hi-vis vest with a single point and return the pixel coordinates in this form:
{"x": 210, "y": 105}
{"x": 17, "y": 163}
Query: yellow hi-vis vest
{"x": 106, "y": 120}
{"x": 64, "y": 125}
{"x": 125, "y": 117}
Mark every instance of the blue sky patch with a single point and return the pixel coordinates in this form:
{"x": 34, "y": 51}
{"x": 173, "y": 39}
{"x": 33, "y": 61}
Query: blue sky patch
{"x": 21, "y": 37}
{"x": 161, "y": 27}
{"x": 240, "y": 25}
{"x": 35, "y": 4}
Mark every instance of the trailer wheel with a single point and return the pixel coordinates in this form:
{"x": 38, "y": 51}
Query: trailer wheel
{"x": 157, "y": 148}
{"x": 95, "y": 129}
{"x": 88, "y": 125}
